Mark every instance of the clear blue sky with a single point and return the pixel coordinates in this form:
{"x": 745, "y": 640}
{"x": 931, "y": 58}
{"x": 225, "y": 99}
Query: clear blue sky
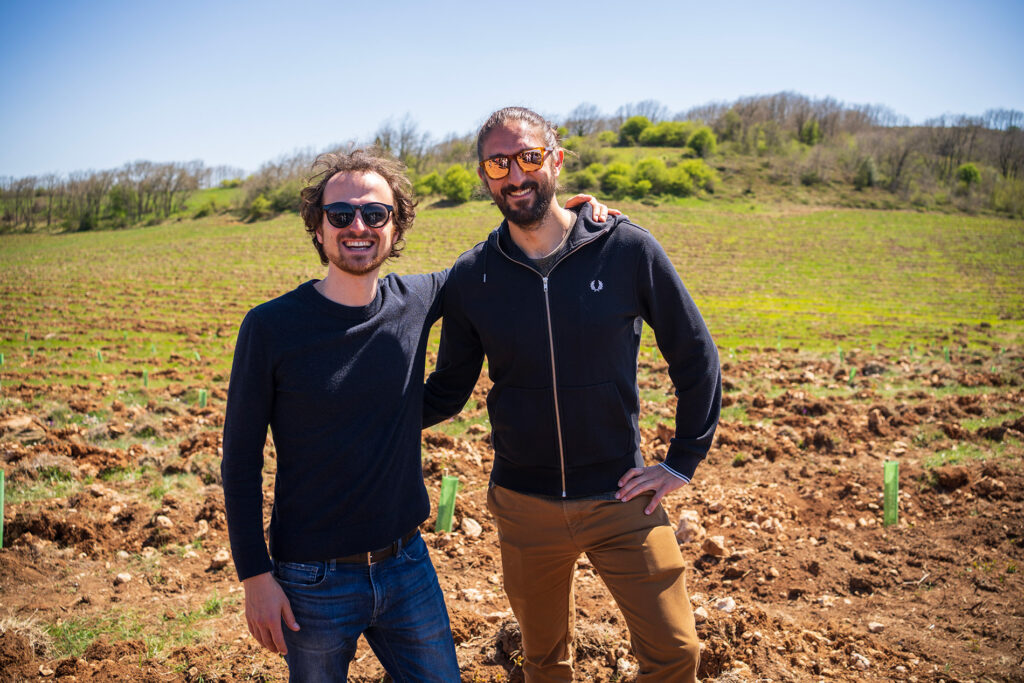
{"x": 94, "y": 84}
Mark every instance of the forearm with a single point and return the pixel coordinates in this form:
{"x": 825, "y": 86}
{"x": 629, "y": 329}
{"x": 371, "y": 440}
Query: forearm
{"x": 460, "y": 357}
{"x": 693, "y": 363}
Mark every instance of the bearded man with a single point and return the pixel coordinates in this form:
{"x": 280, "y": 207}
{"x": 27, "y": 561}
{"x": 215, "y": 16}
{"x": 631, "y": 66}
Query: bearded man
{"x": 556, "y": 302}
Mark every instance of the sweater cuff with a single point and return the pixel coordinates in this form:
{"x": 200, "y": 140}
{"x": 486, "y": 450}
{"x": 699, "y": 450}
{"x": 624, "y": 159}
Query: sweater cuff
{"x": 249, "y": 567}
{"x": 682, "y": 463}
{"x": 674, "y": 473}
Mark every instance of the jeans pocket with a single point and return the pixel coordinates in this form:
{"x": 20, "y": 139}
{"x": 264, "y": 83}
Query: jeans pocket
{"x": 415, "y": 550}
{"x": 300, "y": 573}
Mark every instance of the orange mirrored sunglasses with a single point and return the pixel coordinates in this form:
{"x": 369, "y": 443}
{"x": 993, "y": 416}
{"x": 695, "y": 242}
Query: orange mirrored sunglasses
{"x": 497, "y": 166}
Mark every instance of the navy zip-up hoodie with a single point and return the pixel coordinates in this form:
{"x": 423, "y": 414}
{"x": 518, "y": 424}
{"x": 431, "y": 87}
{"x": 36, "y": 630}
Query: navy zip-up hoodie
{"x": 562, "y": 353}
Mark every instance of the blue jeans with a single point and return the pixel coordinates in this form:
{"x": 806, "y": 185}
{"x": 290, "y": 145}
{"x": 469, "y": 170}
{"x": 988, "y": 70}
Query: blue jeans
{"x": 396, "y": 603}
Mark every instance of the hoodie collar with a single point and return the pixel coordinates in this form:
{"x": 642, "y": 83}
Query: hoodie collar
{"x": 584, "y": 230}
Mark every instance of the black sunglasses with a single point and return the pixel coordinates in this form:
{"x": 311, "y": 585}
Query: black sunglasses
{"x": 341, "y": 214}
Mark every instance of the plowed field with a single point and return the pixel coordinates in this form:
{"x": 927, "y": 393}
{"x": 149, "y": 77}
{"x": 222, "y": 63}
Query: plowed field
{"x": 115, "y": 562}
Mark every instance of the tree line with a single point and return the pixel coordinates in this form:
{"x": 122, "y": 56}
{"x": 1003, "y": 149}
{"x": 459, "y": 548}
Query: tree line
{"x": 136, "y": 193}
{"x": 972, "y": 162}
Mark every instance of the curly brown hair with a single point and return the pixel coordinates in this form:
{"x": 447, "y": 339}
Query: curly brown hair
{"x": 370, "y": 160}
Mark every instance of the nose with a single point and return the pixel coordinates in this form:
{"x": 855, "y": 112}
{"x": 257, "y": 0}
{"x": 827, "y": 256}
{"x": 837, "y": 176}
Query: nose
{"x": 358, "y": 225}
{"x": 516, "y": 176}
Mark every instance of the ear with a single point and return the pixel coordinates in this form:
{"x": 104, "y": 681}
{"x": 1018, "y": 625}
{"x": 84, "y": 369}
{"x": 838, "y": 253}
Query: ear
{"x": 320, "y": 234}
{"x": 481, "y": 175}
{"x": 558, "y": 158}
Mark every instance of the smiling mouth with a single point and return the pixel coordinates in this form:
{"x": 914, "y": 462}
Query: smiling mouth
{"x": 520, "y": 192}
{"x": 357, "y": 245}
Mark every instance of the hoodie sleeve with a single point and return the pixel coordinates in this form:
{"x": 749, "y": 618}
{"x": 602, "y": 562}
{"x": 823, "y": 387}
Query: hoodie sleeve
{"x": 459, "y": 359}
{"x": 693, "y": 365}
{"x": 250, "y": 402}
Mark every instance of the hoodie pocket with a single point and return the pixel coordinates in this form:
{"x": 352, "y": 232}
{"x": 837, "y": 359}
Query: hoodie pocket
{"x": 595, "y": 424}
{"x": 523, "y": 426}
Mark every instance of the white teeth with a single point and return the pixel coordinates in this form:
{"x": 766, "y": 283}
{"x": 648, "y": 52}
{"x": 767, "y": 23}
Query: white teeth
{"x": 358, "y": 245}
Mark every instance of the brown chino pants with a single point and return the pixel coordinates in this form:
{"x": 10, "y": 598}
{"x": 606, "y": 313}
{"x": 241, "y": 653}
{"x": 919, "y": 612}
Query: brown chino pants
{"x": 636, "y": 555}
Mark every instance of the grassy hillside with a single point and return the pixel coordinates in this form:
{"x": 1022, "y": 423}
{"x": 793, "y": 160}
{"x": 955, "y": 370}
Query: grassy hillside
{"x": 170, "y": 297}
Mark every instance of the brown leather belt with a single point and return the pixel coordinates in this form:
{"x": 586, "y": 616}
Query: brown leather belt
{"x": 378, "y": 555}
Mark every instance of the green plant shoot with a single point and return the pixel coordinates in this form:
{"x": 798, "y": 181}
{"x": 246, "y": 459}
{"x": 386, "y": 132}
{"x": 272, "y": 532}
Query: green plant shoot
{"x": 891, "y": 487}
{"x": 446, "y": 503}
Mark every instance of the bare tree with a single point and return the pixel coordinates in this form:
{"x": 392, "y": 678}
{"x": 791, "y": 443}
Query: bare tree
{"x": 1009, "y": 152}
{"x": 709, "y": 113}
{"x": 51, "y": 184}
{"x": 584, "y": 119}
{"x": 654, "y": 110}
{"x": 952, "y": 141}
{"x": 411, "y": 143}
{"x": 218, "y": 174}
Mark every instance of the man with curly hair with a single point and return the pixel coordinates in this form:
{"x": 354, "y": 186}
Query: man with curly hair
{"x": 335, "y": 368}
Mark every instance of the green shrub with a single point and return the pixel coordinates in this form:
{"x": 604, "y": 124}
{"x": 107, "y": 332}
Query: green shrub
{"x": 573, "y": 142}
{"x": 206, "y": 209}
{"x": 680, "y": 184}
{"x": 258, "y": 208}
{"x": 286, "y": 196}
{"x": 616, "y": 185}
{"x": 640, "y": 188}
{"x": 729, "y": 126}
{"x": 1008, "y": 196}
{"x": 867, "y": 174}
{"x": 583, "y": 181}
{"x": 457, "y": 184}
{"x": 428, "y": 184}
{"x": 666, "y": 134}
{"x": 701, "y": 175}
{"x": 630, "y": 131}
{"x": 968, "y": 174}
{"x": 810, "y": 132}
{"x": 87, "y": 221}
{"x": 615, "y": 180}
{"x": 587, "y": 152}
{"x": 703, "y": 142}
{"x": 653, "y": 171}
{"x": 228, "y": 183}
{"x": 810, "y": 177}
{"x": 607, "y": 138}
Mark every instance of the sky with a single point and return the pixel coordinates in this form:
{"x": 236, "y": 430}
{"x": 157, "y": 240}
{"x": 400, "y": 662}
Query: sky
{"x": 94, "y": 84}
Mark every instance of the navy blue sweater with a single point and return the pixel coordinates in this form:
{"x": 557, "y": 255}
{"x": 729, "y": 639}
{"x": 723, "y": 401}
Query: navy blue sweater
{"x": 562, "y": 353}
{"x": 341, "y": 389}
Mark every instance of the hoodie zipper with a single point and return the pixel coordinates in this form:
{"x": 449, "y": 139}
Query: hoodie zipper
{"x": 554, "y": 380}
{"x": 551, "y": 343}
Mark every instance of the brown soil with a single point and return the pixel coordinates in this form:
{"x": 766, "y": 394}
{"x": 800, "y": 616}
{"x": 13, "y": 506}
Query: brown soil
{"x": 804, "y": 583}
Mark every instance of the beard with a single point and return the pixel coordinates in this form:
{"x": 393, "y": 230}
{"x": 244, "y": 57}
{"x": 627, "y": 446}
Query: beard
{"x": 359, "y": 264}
{"x": 527, "y": 216}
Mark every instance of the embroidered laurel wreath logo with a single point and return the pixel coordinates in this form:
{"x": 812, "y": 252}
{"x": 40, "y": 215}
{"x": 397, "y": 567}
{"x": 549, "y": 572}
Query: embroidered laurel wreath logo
{"x": 596, "y": 285}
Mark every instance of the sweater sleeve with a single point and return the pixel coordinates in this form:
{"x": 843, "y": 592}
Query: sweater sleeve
{"x": 249, "y": 406}
{"x": 459, "y": 359}
{"x": 430, "y": 288}
{"x": 693, "y": 365}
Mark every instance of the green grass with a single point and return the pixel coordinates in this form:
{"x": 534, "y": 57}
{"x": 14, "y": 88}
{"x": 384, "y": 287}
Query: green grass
{"x": 968, "y": 452}
{"x": 71, "y": 637}
{"x": 50, "y": 482}
{"x": 973, "y": 424}
{"x": 763, "y": 276}
{"x": 737, "y": 412}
